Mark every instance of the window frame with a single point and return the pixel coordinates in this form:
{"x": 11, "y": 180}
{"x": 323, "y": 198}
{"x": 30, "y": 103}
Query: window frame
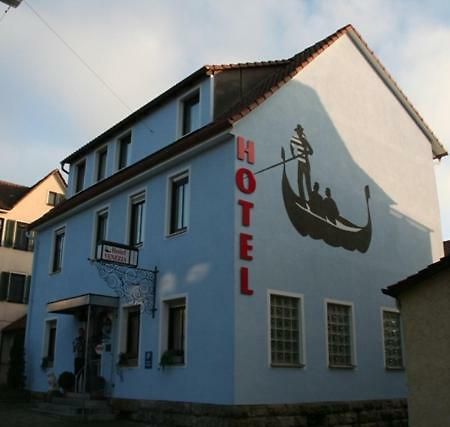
{"x": 124, "y": 333}
{"x": 182, "y": 101}
{"x": 166, "y": 303}
{"x": 95, "y": 223}
{"x": 26, "y": 287}
{"x": 137, "y": 198}
{"x": 2, "y": 228}
{"x": 301, "y": 329}
{"x": 46, "y": 340}
{"x": 120, "y": 141}
{"x": 383, "y": 337}
{"x": 352, "y": 330}
{"x": 98, "y": 156}
{"x": 56, "y": 232}
{"x": 80, "y": 165}
{"x": 22, "y": 226}
{"x": 171, "y": 181}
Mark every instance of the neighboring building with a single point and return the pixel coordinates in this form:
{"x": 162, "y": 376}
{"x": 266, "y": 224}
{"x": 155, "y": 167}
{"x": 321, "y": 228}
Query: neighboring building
{"x": 20, "y": 206}
{"x": 268, "y": 284}
{"x": 424, "y": 301}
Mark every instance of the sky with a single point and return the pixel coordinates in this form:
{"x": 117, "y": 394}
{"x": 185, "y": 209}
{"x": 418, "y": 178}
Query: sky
{"x": 51, "y": 103}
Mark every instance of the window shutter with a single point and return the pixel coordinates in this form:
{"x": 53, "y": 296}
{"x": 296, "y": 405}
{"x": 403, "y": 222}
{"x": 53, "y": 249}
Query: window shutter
{"x": 26, "y": 294}
{"x": 9, "y": 233}
{"x": 31, "y": 238}
{"x": 4, "y": 281}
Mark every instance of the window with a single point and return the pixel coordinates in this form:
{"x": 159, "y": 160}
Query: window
{"x": 340, "y": 335}
{"x": 54, "y": 199}
{"x": 131, "y": 327}
{"x": 190, "y": 113}
{"x": 137, "y": 220}
{"x": 14, "y": 287}
{"x": 101, "y": 227}
{"x": 285, "y": 331}
{"x": 179, "y": 197}
{"x": 392, "y": 338}
{"x": 174, "y": 336}
{"x": 124, "y": 151}
{"x": 58, "y": 249}
{"x": 50, "y": 342}
{"x": 79, "y": 178}
{"x": 21, "y": 237}
{"x": 101, "y": 164}
{"x": 2, "y": 222}
{"x": 17, "y": 236}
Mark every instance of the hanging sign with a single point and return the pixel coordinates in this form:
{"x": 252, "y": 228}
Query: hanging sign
{"x": 117, "y": 253}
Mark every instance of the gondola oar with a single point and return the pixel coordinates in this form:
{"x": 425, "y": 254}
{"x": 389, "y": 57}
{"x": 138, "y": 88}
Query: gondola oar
{"x": 277, "y": 164}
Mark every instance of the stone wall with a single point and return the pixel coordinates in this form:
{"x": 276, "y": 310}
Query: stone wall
{"x": 379, "y": 413}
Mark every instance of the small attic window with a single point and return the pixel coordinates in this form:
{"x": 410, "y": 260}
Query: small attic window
{"x": 190, "y": 111}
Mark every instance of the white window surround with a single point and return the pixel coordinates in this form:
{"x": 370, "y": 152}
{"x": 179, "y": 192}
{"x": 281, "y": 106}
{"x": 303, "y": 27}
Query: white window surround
{"x": 55, "y": 231}
{"x": 301, "y": 329}
{"x": 164, "y": 305}
{"x": 75, "y": 180}
{"x": 180, "y": 110}
{"x": 171, "y": 178}
{"x": 396, "y": 311}
{"x": 97, "y": 212}
{"x": 46, "y": 335}
{"x": 118, "y": 140}
{"x": 103, "y": 148}
{"x": 134, "y": 196}
{"x": 123, "y": 331}
{"x": 352, "y": 331}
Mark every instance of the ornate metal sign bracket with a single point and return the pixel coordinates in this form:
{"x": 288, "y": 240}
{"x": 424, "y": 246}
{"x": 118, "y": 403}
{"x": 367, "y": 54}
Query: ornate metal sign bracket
{"x": 132, "y": 285}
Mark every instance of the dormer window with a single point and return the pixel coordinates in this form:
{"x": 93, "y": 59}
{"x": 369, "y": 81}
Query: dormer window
{"x": 124, "y": 151}
{"x": 190, "y": 113}
{"x": 79, "y": 177}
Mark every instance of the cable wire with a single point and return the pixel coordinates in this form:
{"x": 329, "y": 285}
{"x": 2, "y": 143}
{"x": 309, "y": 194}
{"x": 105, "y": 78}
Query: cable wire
{"x": 78, "y": 56}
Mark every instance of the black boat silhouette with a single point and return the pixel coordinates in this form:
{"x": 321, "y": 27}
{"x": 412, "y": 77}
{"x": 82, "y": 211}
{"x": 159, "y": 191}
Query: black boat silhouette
{"x": 343, "y": 234}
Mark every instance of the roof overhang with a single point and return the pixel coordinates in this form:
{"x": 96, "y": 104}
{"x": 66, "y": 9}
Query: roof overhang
{"x": 74, "y": 304}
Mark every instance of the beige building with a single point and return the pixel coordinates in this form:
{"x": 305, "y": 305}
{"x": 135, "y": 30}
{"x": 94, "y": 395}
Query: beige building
{"x": 19, "y": 206}
{"x": 424, "y": 301}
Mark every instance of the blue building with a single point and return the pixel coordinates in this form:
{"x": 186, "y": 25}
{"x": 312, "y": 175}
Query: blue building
{"x": 255, "y": 211}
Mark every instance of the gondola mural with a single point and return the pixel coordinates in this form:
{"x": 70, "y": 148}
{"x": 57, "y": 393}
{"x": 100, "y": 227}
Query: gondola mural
{"x": 315, "y": 215}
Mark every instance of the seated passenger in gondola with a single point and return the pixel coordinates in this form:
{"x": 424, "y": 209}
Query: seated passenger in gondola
{"x": 316, "y": 201}
{"x": 329, "y": 207}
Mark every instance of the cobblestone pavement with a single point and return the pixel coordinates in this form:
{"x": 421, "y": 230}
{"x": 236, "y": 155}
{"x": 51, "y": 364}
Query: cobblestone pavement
{"x": 13, "y": 414}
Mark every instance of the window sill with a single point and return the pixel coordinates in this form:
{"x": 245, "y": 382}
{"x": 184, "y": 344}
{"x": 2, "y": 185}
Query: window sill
{"x": 52, "y": 273}
{"x": 394, "y": 368}
{"x": 177, "y": 233}
{"x": 339, "y": 367}
{"x": 285, "y": 365}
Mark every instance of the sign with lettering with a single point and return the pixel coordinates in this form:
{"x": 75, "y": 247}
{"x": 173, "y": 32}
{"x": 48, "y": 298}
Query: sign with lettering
{"x": 117, "y": 253}
{"x": 148, "y": 360}
{"x": 246, "y": 184}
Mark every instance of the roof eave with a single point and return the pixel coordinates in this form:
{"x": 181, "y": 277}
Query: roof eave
{"x": 438, "y": 148}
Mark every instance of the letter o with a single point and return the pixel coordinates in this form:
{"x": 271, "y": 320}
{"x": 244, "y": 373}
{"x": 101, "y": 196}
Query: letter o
{"x": 245, "y": 180}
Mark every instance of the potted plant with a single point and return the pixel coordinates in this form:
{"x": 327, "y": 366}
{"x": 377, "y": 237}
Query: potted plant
{"x": 67, "y": 381}
{"x": 171, "y": 357}
{"x": 44, "y": 363}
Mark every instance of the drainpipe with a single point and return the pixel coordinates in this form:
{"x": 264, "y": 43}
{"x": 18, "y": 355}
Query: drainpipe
{"x": 86, "y": 347}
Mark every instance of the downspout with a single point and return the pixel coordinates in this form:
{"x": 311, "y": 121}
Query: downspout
{"x": 62, "y": 168}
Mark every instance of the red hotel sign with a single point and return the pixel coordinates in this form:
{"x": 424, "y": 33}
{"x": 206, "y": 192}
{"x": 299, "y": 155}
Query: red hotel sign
{"x": 246, "y": 184}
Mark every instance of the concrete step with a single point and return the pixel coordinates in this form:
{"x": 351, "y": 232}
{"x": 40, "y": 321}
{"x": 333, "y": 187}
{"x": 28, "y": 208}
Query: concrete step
{"x": 88, "y": 403}
{"x": 67, "y": 408}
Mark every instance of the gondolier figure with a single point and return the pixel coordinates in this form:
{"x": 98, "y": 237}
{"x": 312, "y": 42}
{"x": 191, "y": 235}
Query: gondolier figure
{"x": 301, "y": 149}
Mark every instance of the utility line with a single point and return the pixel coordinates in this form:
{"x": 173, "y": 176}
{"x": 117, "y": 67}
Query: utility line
{"x": 78, "y": 56}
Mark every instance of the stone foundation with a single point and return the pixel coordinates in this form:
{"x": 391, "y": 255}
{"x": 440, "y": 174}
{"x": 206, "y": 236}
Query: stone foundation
{"x": 373, "y": 413}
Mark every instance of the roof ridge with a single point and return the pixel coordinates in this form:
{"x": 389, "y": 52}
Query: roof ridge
{"x": 12, "y": 184}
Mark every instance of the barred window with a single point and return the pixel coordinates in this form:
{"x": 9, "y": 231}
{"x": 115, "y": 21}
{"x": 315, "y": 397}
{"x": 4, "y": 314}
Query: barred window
{"x": 285, "y": 331}
{"x": 393, "y": 355}
{"x": 340, "y": 337}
